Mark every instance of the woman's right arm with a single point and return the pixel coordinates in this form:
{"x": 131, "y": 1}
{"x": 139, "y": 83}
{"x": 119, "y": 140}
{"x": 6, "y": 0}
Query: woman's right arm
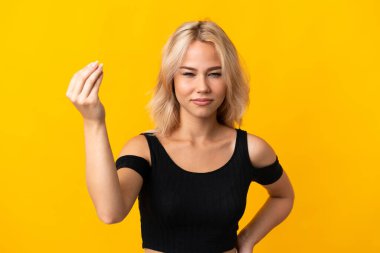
{"x": 101, "y": 176}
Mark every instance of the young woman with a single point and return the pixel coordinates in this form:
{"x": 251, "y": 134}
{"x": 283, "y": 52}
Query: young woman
{"x": 191, "y": 173}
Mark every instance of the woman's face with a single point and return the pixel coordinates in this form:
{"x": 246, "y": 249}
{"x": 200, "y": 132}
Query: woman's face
{"x": 198, "y": 77}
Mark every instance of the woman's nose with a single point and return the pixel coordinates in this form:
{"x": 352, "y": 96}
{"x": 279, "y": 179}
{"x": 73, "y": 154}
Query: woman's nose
{"x": 202, "y": 84}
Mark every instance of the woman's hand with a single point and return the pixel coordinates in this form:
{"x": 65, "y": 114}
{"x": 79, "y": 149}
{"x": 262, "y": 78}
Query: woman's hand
{"x": 83, "y": 92}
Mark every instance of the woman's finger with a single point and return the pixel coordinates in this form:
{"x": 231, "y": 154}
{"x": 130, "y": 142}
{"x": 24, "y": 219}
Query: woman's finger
{"x": 73, "y": 81}
{"x": 89, "y": 84}
{"x": 95, "y": 90}
{"x": 81, "y": 77}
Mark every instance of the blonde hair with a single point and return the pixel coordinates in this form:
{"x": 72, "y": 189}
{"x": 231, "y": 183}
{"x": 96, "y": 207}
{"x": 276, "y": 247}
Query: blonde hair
{"x": 164, "y": 107}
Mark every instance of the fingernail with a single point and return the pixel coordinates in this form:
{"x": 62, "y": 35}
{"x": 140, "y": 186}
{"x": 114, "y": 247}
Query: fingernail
{"x": 101, "y": 65}
{"x": 94, "y": 63}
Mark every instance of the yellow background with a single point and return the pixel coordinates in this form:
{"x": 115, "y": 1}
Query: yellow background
{"x": 314, "y": 68}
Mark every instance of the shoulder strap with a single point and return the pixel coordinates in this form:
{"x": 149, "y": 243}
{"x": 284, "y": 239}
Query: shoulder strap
{"x": 153, "y": 147}
{"x": 242, "y": 144}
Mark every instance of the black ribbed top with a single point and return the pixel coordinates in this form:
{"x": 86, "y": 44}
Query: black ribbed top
{"x": 187, "y": 212}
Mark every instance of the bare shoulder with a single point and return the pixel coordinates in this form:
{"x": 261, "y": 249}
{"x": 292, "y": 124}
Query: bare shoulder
{"x": 137, "y": 145}
{"x": 260, "y": 151}
{"x": 131, "y": 181}
{"x": 261, "y": 155}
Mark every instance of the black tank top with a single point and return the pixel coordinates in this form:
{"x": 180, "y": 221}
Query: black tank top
{"x": 187, "y": 212}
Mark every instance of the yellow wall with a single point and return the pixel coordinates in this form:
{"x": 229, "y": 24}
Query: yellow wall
{"x": 314, "y": 68}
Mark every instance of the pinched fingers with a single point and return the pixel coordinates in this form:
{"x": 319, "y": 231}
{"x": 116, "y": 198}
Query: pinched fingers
{"x": 90, "y": 82}
{"x": 78, "y": 80}
{"x": 94, "y": 92}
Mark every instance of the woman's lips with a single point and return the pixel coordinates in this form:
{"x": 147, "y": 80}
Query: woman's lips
{"x": 202, "y": 102}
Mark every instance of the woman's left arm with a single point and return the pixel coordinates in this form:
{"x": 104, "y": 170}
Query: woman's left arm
{"x": 277, "y": 207}
{"x": 272, "y": 213}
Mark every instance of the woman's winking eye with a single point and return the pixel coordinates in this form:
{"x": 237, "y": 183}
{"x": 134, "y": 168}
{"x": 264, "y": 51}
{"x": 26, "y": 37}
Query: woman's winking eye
{"x": 215, "y": 74}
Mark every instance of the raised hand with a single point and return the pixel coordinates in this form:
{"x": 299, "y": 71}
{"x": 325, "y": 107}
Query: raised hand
{"x": 83, "y": 92}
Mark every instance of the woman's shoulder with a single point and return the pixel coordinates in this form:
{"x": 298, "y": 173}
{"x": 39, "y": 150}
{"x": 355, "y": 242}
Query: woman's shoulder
{"x": 137, "y": 145}
{"x": 260, "y": 151}
{"x": 150, "y": 132}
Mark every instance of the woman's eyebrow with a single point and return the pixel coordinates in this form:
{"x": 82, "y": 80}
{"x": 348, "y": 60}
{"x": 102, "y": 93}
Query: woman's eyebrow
{"x": 211, "y": 68}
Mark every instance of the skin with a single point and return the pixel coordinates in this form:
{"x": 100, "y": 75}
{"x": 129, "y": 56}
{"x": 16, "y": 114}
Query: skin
{"x": 83, "y": 93}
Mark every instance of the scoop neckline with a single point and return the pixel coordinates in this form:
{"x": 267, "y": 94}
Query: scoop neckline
{"x": 202, "y": 173}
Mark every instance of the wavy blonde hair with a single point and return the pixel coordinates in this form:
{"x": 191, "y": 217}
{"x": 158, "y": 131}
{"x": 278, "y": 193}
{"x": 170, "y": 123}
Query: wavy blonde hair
{"x": 164, "y": 107}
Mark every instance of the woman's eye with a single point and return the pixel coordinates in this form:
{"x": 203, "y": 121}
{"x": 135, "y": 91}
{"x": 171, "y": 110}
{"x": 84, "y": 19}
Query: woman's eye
{"x": 216, "y": 74}
{"x": 211, "y": 74}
